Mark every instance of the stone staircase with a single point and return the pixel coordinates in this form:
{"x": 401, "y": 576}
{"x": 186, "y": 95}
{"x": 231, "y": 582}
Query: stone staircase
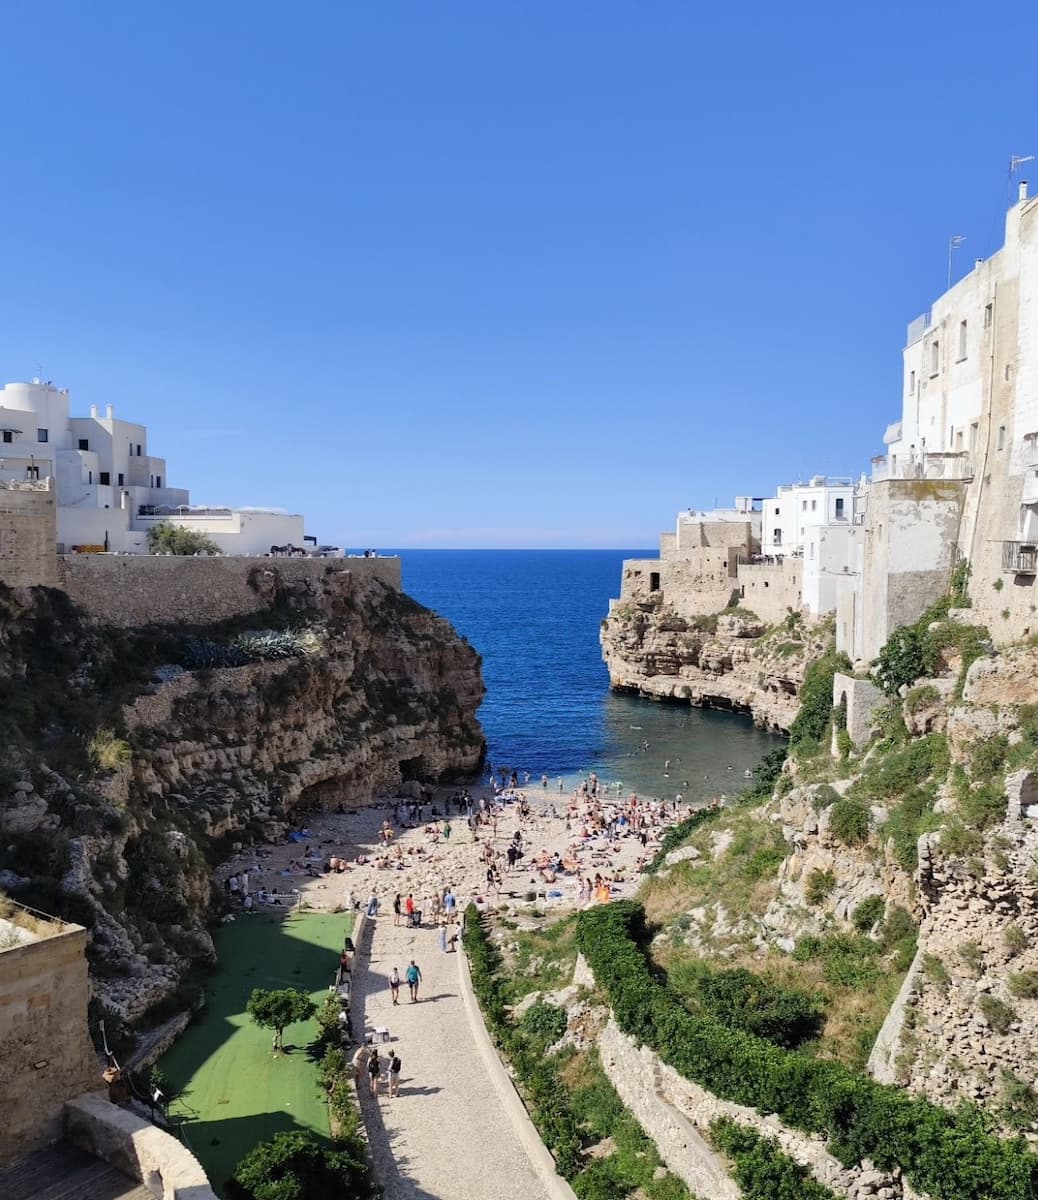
{"x": 62, "y": 1172}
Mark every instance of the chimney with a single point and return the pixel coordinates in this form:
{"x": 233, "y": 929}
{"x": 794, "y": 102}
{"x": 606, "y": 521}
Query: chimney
{"x": 124, "y": 499}
{"x": 93, "y": 410}
{"x": 977, "y": 262}
{"x": 109, "y": 414}
{"x": 1023, "y": 190}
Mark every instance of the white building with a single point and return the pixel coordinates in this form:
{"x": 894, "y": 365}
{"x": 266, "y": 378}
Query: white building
{"x": 110, "y": 489}
{"x": 817, "y": 523}
{"x": 959, "y": 480}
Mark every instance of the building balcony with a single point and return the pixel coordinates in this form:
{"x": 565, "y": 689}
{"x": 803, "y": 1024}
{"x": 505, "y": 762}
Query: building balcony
{"x": 952, "y": 464}
{"x": 1020, "y": 557}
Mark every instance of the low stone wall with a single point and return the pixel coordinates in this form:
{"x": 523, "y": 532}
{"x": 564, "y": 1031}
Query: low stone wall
{"x": 519, "y": 1119}
{"x": 676, "y": 1113}
{"x": 132, "y": 590}
{"x": 137, "y": 1148}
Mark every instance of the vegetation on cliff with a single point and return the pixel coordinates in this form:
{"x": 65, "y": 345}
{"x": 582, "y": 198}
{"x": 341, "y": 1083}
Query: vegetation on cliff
{"x": 133, "y": 759}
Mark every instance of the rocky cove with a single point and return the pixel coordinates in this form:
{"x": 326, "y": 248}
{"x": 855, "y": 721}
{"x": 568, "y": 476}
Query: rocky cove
{"x": 136, "y": 758}
{"x": 730, "y": 659}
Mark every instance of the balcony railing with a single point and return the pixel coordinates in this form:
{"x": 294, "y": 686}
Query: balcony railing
{"x": 937, "y": 465}
{"x": 1020, "y": 557}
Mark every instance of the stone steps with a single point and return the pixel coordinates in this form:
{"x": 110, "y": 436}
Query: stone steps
{"x": 62, "y": 1172}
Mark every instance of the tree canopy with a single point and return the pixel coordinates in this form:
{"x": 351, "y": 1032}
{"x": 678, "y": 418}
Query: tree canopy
{"x": 295, "y": 1166}
{"x": 165, "y": 538}
{"x": 278, "y": 1008}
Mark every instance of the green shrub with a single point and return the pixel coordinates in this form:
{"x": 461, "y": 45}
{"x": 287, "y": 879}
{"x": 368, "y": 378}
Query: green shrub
{"x": 818, "y": 886}
{"x": 999, "y": 1015}
{"x": 107, "y": 752}
{"x": 741, "y": 1000}
{"x": 921, "y": 697}
{"x": 849, "y": 821}
{"x": 972, "y": 955}
{"x": 165, "y": 538}
{"x": 295, "y": 1165}
{"x": 761, "y": 1169}
{"x": 988, "y": 758}
{"x": 545, "y": 1023}
{"x": 868, "y": 912}
{"x": 943, "y": 1153}
{"x": 1020, "y": 1102}
{"x": 936, "y": 970}
{"x": 1015, "y": 939}
{"x": 1023, "y": 984}
{"x": 811, "y": 723}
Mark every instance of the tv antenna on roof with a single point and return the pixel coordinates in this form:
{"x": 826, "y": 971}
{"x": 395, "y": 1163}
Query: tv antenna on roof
{"x": 1016, "y": 161}
{"x": 954, "y": 242}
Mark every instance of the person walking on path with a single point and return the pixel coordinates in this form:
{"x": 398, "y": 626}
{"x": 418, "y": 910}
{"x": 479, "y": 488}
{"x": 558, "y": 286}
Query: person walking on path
{"x": 372, "y": 905}
{"x": 394, "y": 1074}
{"x": 374, "y": 1070}
{"x": 396, "y": 909}
{"x": 414, "y": 978}
{"x": 409, "y": 906}
{"x": 394, "y": 985}
{"x": 443, "y": 939}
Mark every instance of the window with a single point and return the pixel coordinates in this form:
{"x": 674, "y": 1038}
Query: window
{"x": 42, "y": 435}
{"x": 803, "y": 506}
{"x": 104, "y": 478}
{"x": 138, "y": 450}
{"x": 989, "y": 310}
{"x": 814, "y": 505}
{"x": 8, "y": 436}
{"x": 654, "y": 581}
{"x": 962, "y": 340}
{"x": 777, "y": 538}
{"x": 90, "y": 476}
{"x": 911, "y": 383}
{"x": 84, "y": 443}
{"x": 935, "y": 357}
{"x": 1001, "y": 437}
{"x": 120, "y": 479}
{"x": 839, "y": 508}
{"x": 776, "y": 512}
{"x": 812, "y": 550}
{"x": 158, "y": 481}
{"x": 1008, "y": 372}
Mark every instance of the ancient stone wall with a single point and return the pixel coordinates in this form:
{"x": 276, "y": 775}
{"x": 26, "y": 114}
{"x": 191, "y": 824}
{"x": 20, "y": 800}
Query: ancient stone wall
{"x": 676, "y": 1114}
{"x": 132, "y": 590}
{"x": 771, "y": 590}
{"x": 862, "y": 698}
{"x": 28, "y": 534}
{"x": 45, "y": 1051}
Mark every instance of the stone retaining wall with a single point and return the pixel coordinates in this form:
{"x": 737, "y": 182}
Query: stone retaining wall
{"x": 676, "y": 1114}
{"x": 137, "y": 1148}
{"x": 132, "y": 590}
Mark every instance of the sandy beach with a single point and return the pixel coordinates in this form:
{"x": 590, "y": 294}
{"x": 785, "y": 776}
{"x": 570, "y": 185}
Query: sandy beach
{"x": 422, "y": 859}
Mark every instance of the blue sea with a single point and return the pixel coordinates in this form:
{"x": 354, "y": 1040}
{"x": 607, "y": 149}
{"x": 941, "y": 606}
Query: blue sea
{"x": 534, "y": 616}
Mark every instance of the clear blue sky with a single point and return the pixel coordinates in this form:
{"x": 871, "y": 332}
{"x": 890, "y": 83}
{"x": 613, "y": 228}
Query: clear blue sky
{"x": 496, "y": 274}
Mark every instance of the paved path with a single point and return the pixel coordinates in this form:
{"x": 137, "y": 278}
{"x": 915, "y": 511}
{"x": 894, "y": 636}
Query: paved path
{"x": 62, "y": 1172}
{"x": 446, "y": 1136}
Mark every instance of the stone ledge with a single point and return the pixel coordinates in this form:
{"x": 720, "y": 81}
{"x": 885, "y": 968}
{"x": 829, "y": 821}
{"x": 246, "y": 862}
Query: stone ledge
{"x": 137, "y": 1148}
{"x": 519, "y": 1119}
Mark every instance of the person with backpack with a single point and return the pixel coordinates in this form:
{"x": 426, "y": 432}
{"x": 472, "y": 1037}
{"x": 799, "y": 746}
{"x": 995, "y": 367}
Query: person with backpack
{"x": 394, "y": 985}
{"x": 394, "y": 1074}
{"x": 414, "y": 977}
{"x": 374, "y": 1070}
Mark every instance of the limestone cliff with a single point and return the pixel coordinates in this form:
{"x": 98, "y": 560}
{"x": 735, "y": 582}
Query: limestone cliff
{"x": 728, "y": 660}
{"x": 133, "y": 759}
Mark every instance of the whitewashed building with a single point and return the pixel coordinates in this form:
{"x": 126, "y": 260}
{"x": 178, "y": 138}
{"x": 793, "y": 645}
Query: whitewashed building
{"x": 110, "y": 489}
{"x": 959, "y": 480}
{"x": 796, "y": 509}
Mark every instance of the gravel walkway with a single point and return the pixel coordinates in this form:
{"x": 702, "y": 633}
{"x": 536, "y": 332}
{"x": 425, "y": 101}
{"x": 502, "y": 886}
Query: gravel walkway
{"x": 446, "y": 1136}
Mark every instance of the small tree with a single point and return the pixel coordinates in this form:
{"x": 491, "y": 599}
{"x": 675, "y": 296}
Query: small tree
{"x": 278, "y": 1008}
{"x": 295, "y": 1166}
{"x": 165, "y": 538}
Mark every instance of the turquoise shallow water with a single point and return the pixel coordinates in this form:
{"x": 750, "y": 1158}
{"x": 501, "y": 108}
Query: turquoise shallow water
{"x": 534, "y": 615}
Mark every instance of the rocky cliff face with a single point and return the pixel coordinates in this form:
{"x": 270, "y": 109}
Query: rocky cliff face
{"x": 731, "y": 660}
{"x": 130, "y": 764}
